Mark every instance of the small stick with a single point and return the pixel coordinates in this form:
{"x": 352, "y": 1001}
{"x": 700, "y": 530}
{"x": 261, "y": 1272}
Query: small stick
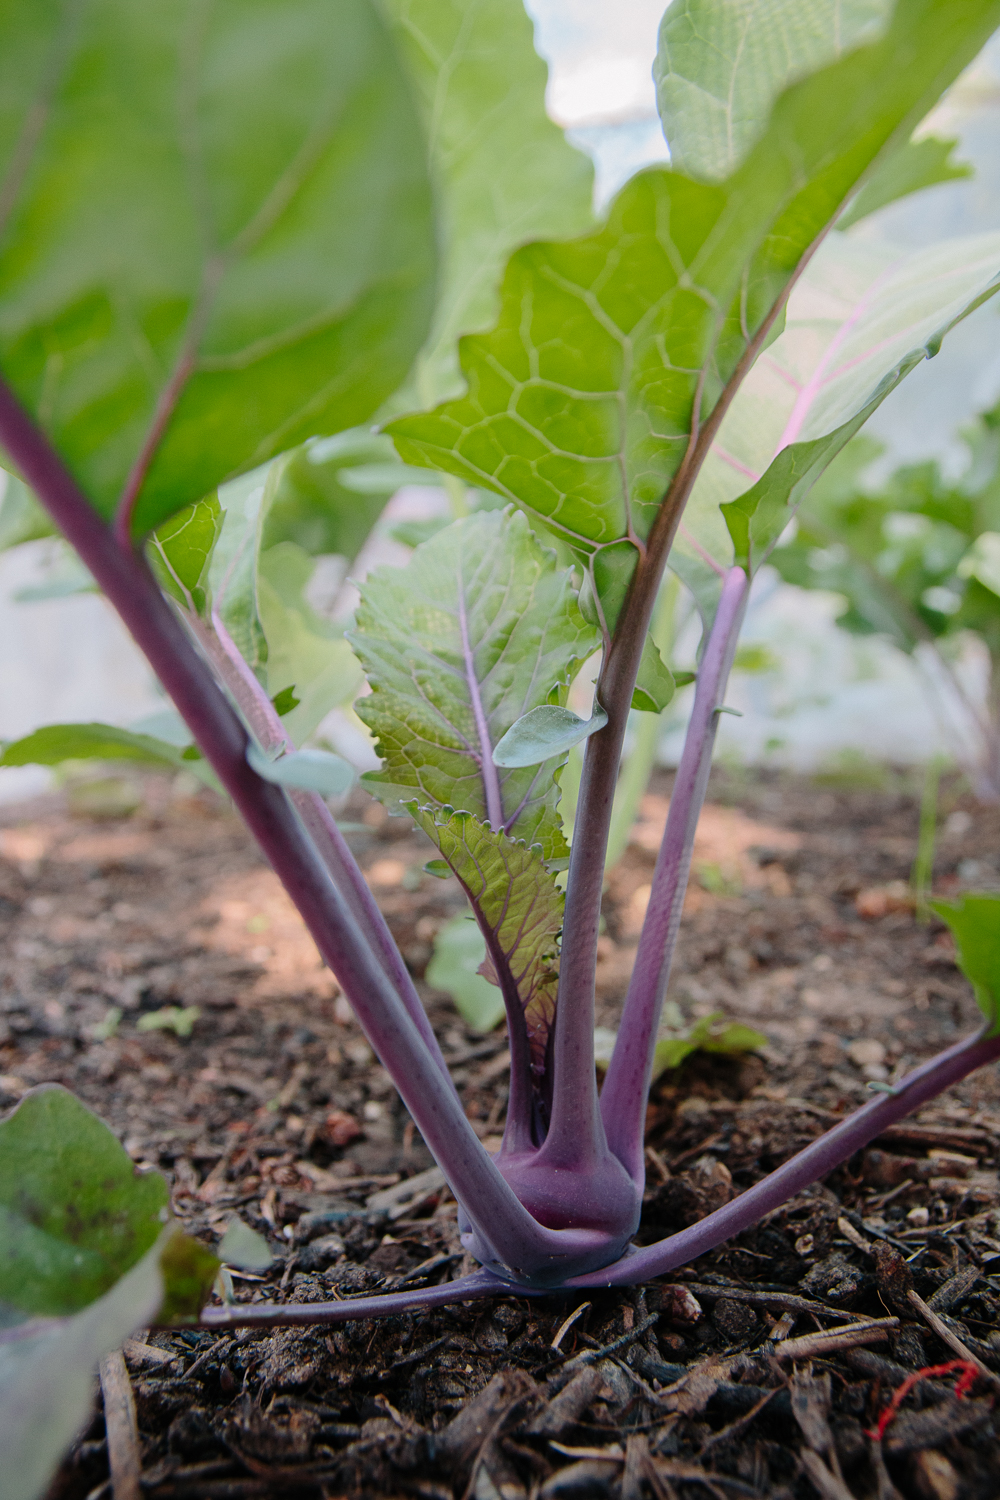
{"x": 121, "y": 1427}
{"x": 953, "y": 1341}
{"x": 591, "y": 1355}
{"x": 567, "y": 1324}
{"x": 837, "y": 1339}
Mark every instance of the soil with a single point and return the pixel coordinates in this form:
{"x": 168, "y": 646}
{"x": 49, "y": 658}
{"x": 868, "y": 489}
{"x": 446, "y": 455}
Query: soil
{"x": 799, "y": 922}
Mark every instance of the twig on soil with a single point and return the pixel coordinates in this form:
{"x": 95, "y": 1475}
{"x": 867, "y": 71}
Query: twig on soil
{"x": 567, "y": 1324}
{"x": 784, "y": 1301}
{"x": 836, "y": 1340}
{"x": 589, "y": 1356}
{"x": 121, "y": 1426}
{"x": 953, "y": 1341}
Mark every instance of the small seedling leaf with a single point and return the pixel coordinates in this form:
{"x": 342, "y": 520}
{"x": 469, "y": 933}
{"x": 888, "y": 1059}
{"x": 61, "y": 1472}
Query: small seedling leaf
{"x": 974, "y": 920}
{"x": 544, "y": 732}
{"x": 244, "y": 1248}
{"x": 459, "y": 954}
{"x": 74, "y": 1212}
{"x": 180, "y": 553}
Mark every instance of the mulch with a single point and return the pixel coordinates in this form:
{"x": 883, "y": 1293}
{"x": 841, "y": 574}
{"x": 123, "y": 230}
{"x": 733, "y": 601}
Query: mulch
{"x": 760, "y": 1370}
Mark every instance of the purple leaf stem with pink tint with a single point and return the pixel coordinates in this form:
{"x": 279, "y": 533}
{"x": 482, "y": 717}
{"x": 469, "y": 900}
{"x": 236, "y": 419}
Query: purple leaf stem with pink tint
{"x": 626, "y": 1084}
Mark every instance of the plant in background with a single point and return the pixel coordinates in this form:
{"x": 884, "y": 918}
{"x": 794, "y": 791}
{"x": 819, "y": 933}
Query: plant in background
{"x": 917, "y": 559}
{"x": 667, "y": 384}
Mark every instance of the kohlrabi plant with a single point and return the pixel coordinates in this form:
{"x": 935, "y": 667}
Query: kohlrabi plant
{"x": 917, "y": 559}
{"x": 228, "y": 230}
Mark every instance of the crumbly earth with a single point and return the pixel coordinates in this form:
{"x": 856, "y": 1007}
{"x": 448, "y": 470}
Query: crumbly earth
{"x": 798, "y": 922}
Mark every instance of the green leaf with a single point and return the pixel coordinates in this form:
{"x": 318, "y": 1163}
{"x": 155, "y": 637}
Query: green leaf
{"x": 982, "y": 561}
{"x": 655, "y": 684}
{"x": 505, "y": 173}
{"x": 920, "y": 164}
{"x": 860, "y": 319}
{"x": 180, "y": 553}
{"x": 314, "y": 499}
{"x": 479, "y": 615}
{"x": 304, "y": 651}
{"x": 307, "y": 770}
{"x": 285, "y": 701}
{"x": 243, "y": 1247}
{"x": 22, "y": 519}
{"x": 975, "y": 924}
{"x": 74, "y": 1212}
{"x": 47, "y": 1375}
{"x": 677, "y": 1041}
{"x": 518, "y": 907}
{"x": 219, "y": 238}
{"x": 708, "y": 1034}
{"x": 721, "y": 67}
{"x": 582, "y": 399}
{"x": 176, "y": 1018}
{"x": 459, "y": 954}
{"x": 544, "y": 732}
{"x": 58, "y": 742}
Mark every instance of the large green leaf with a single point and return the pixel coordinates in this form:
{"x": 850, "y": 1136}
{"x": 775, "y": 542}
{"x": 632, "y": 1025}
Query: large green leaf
{"x": 582, "y": 399}
{"x": 975, "y": 924}
{"x": 217, "y": 235}
{"x": 518, "y": 907}
{"x": 505, "y": 173}
{"x": 477, "y": 629}
{"x": 720, "y": 68}
{"x": 861, "y": 318}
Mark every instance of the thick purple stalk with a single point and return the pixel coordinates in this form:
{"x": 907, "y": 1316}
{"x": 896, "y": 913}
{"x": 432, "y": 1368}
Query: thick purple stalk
{"x": 808, "y": 1166}
{"x": 505, "y": 1232}
{"x": 636, "y": 1266}
{"x": 320, "y": 824}
{"x": 626, "y": 1085}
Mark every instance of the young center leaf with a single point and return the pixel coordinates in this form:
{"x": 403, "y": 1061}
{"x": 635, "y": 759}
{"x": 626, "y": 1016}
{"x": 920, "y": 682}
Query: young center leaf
{"x": 519, "y": 910}
{"x": 216, "y": 235}
{"x": 860, "y": 319}
{"x": 479, "y": 628}
{"x": 611, "y": 349}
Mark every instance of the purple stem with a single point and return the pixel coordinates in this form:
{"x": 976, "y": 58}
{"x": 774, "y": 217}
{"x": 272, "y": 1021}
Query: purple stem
{"x": 499, "y": 1218}
{"x": 808, "y": 1166}
{"x": 488, "y": 771}
{"x": 817, "y": 1160}
{"x": 321, "y": 826}
{"x": 283, "y": 1314}
{"x": 626, "y": 1085}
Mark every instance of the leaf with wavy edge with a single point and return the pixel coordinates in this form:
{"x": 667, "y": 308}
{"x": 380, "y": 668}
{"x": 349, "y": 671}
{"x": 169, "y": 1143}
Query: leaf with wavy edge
{"x": 518, "y": 907}
{"x": 581, "y": 401}
{"x": 477, "y": 629}
{"x": 216, "y": 233}
{"x": 861, "y": 318}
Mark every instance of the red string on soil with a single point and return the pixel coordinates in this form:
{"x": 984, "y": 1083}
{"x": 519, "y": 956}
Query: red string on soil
{"x": 963, "y": 1385}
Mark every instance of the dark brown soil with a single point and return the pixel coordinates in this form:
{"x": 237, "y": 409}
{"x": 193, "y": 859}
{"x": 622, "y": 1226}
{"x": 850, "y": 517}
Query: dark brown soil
{"x": 274, "y": 1109}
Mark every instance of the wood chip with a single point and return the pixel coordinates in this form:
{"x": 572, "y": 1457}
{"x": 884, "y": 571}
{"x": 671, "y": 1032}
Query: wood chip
{"x": 836, "y": 1339}
{"x": 121, "y": 1427}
